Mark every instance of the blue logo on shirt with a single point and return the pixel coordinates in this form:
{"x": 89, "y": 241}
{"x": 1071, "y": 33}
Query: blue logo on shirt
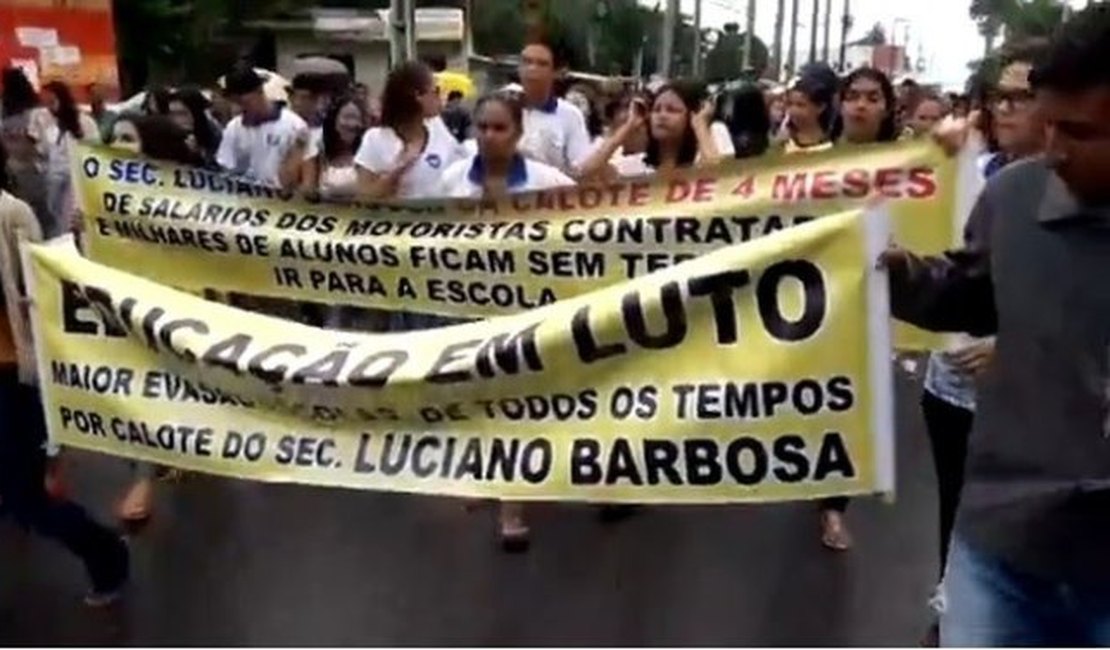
{"x": 434, "y": 161}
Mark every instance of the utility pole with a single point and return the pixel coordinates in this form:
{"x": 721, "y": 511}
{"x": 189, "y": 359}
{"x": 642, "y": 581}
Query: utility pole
{"x": 666, "y": 53}
{"x": 697, "y": 39}
{"x": 813, "y": 30}
{"x": 748, "y": 36}
{"x": 468, "y": 33}
{"x": 845, "y": 26}
{"x": 396, "y": 35}
{"x": 792, "y": 54}
{"x": 780, "y": 20}
{"x": 828, "y": 28}
{"x": 410, "y": 30}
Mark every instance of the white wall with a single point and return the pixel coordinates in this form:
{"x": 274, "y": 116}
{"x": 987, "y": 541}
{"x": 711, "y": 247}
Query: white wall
{"x": 371, "y": 58}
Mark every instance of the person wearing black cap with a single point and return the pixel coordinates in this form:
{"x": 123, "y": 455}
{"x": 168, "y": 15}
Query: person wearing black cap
{"x": 267, "y": 142}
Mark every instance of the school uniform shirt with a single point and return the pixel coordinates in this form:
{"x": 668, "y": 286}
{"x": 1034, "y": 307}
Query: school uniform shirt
{"x": 464, "y": 179}
{"x": 792, "y": 147}
{"x": 555, "y": 134}
{"x": 722, "y": 137}
{"x": 631, "y": 165}
{"x": 315, "y": 142}
{"x": 256, "y": 150}
{"x": 381, "y": 150}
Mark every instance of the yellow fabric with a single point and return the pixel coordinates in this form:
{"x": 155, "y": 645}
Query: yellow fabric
{"x": 757, "y": 372}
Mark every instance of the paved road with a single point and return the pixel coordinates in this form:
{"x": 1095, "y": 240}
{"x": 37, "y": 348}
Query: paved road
{"x": 230, "y": 563}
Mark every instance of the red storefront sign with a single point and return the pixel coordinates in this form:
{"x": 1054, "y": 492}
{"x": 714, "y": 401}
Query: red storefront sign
{"x": 69, "y": 40}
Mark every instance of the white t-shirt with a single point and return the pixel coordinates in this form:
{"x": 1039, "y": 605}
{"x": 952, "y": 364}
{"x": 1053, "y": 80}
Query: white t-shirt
{"x": 338, "y": 182}
{"x": 381, "y": 148}
{"x": 463, "y": 180}
{"x": 257, "y": 151}
{"x": 315, "y": 143}
{"x": 59, "y": 144}
{"x": 631, "y": 165}
{"x": 723, "y": 139}
{"x": 556, "y": 134}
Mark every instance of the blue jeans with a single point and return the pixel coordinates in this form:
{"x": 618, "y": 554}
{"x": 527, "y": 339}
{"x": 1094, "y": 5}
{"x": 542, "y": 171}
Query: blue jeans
{"x": 989, "y": 604}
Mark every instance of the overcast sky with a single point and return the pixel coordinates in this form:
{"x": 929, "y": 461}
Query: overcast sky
{"x": 942, "y": 28}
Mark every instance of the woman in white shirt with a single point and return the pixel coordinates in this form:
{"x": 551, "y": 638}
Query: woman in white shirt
{"x": 498, "y": 168}
{"x": 70, "y": 126}
{"x": 496, "y": 171}
{"x": 679, "y": 135}
{"x": 405, "y": 157}
{"x": 332, "y": 174}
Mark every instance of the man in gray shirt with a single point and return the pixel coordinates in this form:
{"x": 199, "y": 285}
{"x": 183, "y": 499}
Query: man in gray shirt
{"x": 1030, "y": 556}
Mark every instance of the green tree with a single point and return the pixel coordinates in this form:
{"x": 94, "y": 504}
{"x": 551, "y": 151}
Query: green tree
{"x": 1017, "y": 18}
{"x": 725, "y": 61}
{"x": 175, "y": 40}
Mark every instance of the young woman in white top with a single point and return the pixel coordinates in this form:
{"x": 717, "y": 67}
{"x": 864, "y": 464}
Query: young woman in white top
{"x": 332, "y": 174}
{"x": 498, "y": 168}
{"x": 679, "y": 134}
{"x": 405, "y": 157}
{"x": 70, "y": 126}
{"x": 496, "y": 171}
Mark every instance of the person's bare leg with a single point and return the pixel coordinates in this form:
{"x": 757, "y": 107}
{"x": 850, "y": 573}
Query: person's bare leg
{"x": 513, "y": 530}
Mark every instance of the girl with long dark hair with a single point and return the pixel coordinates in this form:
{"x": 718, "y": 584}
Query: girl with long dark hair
{"x": 188, "y": 108}
{"x": 332, "y": 173}
{"x": 406, "y": 156}
{"x": 157, "y": 137}
{"x": 811, "y": 110}
{"x": 679, "y": 134}
{"x": 24, "y": 127}
{"x": 868, "y": 108}
{"x": 495, "y": 172}
{"x": 70, "y": 127}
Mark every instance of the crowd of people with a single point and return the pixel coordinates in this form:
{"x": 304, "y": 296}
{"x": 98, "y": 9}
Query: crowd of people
{"x": 1023, "y": 560}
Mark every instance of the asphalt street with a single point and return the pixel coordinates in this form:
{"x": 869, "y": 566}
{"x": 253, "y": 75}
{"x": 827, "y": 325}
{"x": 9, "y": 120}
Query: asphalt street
{"x": 237, "y": 563}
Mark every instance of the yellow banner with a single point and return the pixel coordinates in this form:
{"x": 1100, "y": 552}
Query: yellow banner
{"x": 196, "y": 230}
{"x": 753, "y": 373}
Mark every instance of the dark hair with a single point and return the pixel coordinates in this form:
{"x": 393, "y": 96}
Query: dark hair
{"x": 692, "y": 94}
{"x": 453, "y": 95}
{"x": 157, "y": 98}
{"x": 1076, "y": 60}
{"x": 594, "y": 123}
{"x": 624, "y": 102}
{"x": 3, "y": 167}
{"x": 436, "y": 62}
{"x": 558, "y": 50}
{"x": 820, "y": 84}
{"x": 1033, "y": 51}
{"x": 921, "y": 98}
{"x": 19, "y": 95}
{"x": 205, "y": 133}
{"x": 310, "y": 82}
{"x": 68, "y": 118}
{"x": 888, "y": 129}
{"x": 399, "y": 103}
{"x": 160, "y": 138}
{"x": 333, "y": 144}
{"x": 509, "y": 101}
{"x": 744, "y": 112}
{"x": 242, "y": 80}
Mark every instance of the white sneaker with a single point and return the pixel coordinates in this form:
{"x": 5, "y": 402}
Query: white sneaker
{"x": 938, "y": 602}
